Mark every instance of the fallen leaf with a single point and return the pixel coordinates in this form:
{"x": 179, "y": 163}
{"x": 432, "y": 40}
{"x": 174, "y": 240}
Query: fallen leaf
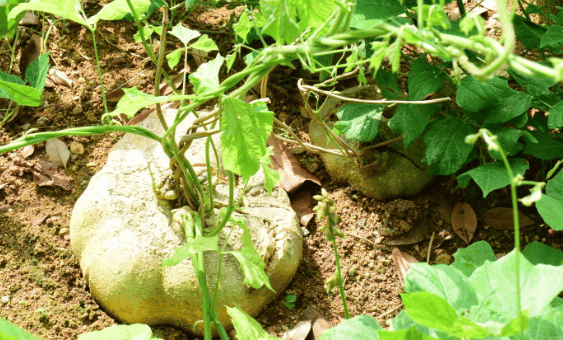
{"x": 319, "y": 326}
{"x": 27, "y": 151}
{"x": 30, "y": 52}
{"x": 402, "y": 262}
{"x": 464, "y": 221}
{"x": 40, "y": 220}
{"x": 303, "y": 205}
{"x": 290, "y": 170}
{"x": 177, "y": 80}
{"x": 318, "y": 321}
{"x": 57, "y": 152}
{"x": 47, "y": 174}
{"x": 299, "y": 332}
{"x": 115, "y": 95}
{"x": 199, "y": 56}
{"x": 57, "y": 77}
{"x": 501, "y": 218}
{"x": 295, "y": 180}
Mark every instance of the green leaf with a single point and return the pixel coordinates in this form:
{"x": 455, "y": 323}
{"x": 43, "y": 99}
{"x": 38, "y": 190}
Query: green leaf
{"x": 387, "y": 83}
{"x": 173, "y": 58}
{"x": 508, "y": 140}
{"x": 36, "y": 72}
{"x": 554, "y": 187}
{"x": 359, "y": 121}
{"x": 493, "y": 175}
{"x": 9, "y": 331}
{"x": 250, "y": 261}
{"x": 118, "y": 9}
{"x": 403, "y": 334}
{"x": 555, "y": 119}
{"x": 537, "y": 253}
{"x": 148, "y": 30}
{"x": 247, "y": 328}
{"x": 470, "y": 258}
{"x": 69, "y": 9}
{"x": 271, "y": 176}
{"x": 528, "y": 33}
{"x": 429, "y": 310}
{"x": 547, "y": 147}
{"x": 553, "y": 36}
{"x": 313, "y": 13}
{"x": 369, "y": 12}
{"x": 424, "y": 79}
{"x": 8, "y": 26}
{"x": 495, "y": 285}
{"x": 205, "y": 43}
{"x": 184, "y": 34}
{"x": 206, "y": 78}
{"x": 508, "y": 108}
{"x": 410, "y": 120}
{"x": 474, "y": 95}
{"x": 243, "y": 26}
{"x": 359, "y": 327}
{"x": 446, "y": 150}
{"x": 244, "y": 131}
{"x": 551, "y": 210}
{"x": 122, "y": 332}
{"x": 546, "y": 326}
{"x": 281, "y": 21}
{"x": 191, "y": 248}
{"x": 443, "y": 281}
{"x": 133, "y": 101}
{"x": 23, "y": 95}
{"x": 536, "y": 85}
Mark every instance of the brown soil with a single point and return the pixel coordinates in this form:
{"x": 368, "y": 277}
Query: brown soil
{"x": 41, "y": 287}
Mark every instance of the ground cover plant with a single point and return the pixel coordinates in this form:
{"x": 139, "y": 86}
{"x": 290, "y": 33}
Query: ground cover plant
{"x": 489, "y": 127}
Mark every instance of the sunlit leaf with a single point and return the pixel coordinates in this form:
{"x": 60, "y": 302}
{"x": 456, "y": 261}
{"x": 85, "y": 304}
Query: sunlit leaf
{"x": 245, "y": 129}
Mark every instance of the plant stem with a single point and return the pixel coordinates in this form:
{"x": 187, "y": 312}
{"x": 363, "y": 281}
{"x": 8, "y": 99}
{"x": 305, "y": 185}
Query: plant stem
{"x": 93, "y": 30}
{"x": 159, "y": 62}
{"x": 339, "y": 275}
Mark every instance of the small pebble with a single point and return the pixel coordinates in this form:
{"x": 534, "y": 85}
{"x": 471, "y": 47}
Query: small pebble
{"x": 443, "y": 259}
{"x": 77, "y": 109}
{"x": 361, "y": 222}
{"x": 91, "y": 164}
{"x": 5, "y": 299}
{"x": 63, "y": 231}
{"x": 77, "y": 148}
{"x": 26, "y": 126}
{"x": 43, "y": 121}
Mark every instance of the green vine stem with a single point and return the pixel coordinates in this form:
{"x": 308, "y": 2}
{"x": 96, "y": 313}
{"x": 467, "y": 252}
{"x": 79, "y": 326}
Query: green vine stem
{"x": 93, "y": 31}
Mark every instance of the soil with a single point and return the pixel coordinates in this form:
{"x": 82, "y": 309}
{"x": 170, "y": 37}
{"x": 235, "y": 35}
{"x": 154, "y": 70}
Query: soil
{"x": 41, "y": 286}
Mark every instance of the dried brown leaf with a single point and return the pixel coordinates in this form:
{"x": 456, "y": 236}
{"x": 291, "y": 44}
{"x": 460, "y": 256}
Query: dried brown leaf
{"x": 57, "y": 152}
{"x": 290, "y": 170}
{"x": 464, "y": 221}
{"x": 501, "y": 218}
{"x": 27, "y": 151}
{"x": 47, "y": 174}
{"x": 303, "y": 205}
{"x": 30, "y": 52}
{"x": 299, "y": 332}
{"x": 177, "y": 80}
{"x": 319, "y": 322}
{"x": 402, "y": 262}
